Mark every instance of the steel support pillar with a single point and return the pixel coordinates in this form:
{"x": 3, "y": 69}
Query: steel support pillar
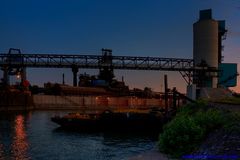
{"x": 23, "y": 74}
{"x": 63, "y": 79}
{"x": 6, "y": 76}
{"x": 75, "y": 71}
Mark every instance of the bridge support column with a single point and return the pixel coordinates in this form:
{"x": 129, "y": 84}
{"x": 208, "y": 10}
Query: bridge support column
{"x": 5, "y": 76}
{"x": 23, "y": 74}
{"x": 75, "y": 71}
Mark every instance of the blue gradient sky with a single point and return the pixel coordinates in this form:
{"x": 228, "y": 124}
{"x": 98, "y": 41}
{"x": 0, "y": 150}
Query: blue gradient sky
{"x": 160, "y": 28}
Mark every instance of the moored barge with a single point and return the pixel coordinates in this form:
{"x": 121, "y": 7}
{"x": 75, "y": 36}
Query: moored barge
{"x": 108, "y": 120}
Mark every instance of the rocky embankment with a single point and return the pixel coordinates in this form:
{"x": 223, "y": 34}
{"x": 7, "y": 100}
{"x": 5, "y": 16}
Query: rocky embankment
{"x": 224, "y": 142}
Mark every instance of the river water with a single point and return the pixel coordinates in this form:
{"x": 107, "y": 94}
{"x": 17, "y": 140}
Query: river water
{"x": 32, "y": 135}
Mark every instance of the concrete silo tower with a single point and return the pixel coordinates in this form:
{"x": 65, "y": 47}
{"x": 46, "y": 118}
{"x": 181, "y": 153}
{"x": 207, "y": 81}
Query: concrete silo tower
{"x": 207, "y": 46}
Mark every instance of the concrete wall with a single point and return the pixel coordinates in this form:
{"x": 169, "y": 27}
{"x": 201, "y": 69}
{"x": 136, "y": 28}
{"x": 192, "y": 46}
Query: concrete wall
{"x": 97, "y": 102}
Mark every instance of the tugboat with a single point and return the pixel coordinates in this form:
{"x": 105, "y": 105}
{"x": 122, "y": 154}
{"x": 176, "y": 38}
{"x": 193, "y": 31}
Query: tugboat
{"x": 108, "y": 120}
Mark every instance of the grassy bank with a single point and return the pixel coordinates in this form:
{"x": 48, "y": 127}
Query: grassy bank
{"x": 191, "y": 126}
{"x": 229, "y": 100}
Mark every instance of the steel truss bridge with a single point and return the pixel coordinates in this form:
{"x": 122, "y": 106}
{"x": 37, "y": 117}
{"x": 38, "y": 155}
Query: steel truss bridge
{"x": 19, "y": 60}
{"x": 95, "y": 61}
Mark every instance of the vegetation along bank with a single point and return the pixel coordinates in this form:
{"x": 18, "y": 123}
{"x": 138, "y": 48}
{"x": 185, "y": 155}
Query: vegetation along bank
{"x": 203, "y": 129}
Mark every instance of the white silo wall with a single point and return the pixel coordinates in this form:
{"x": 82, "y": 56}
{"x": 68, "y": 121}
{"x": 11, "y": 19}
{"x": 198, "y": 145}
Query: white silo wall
{"x": 205, "y": 44}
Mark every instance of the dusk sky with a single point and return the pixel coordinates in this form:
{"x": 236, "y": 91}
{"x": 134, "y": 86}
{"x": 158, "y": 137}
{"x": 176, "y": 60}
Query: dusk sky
{"x": 160, "y": 28}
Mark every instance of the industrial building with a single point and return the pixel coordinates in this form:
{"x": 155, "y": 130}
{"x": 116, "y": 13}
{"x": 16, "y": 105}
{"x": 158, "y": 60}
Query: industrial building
{"x": 208, "y": 34}
{"x": 205, "y": 70}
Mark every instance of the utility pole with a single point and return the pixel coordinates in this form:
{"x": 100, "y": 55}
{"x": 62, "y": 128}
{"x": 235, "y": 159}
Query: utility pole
{"x": 63, "y": 79}
{"x": 166, "y": 93}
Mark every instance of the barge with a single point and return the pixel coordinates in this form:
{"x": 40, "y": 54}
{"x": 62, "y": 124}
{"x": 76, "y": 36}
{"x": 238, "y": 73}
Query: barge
{"x": 108, "y": 120}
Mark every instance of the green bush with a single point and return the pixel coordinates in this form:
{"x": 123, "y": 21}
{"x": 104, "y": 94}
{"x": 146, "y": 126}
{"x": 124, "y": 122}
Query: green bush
{"x": 232, "y": 122}
{"x": 192, "y": 108}
{"x": 209, "y": 120}
{"x": 180, "y": 136}
{"x": 190, "y": 126}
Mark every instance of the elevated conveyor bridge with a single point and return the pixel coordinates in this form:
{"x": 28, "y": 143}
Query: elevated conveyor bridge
{"x": 19, "y": 60}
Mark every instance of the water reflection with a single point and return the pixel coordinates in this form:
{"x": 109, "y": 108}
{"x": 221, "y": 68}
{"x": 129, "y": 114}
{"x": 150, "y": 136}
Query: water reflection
{"x": 20, "y": 144}
{"x": 108, "y": 145}
{"x": 25, "y": 136}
